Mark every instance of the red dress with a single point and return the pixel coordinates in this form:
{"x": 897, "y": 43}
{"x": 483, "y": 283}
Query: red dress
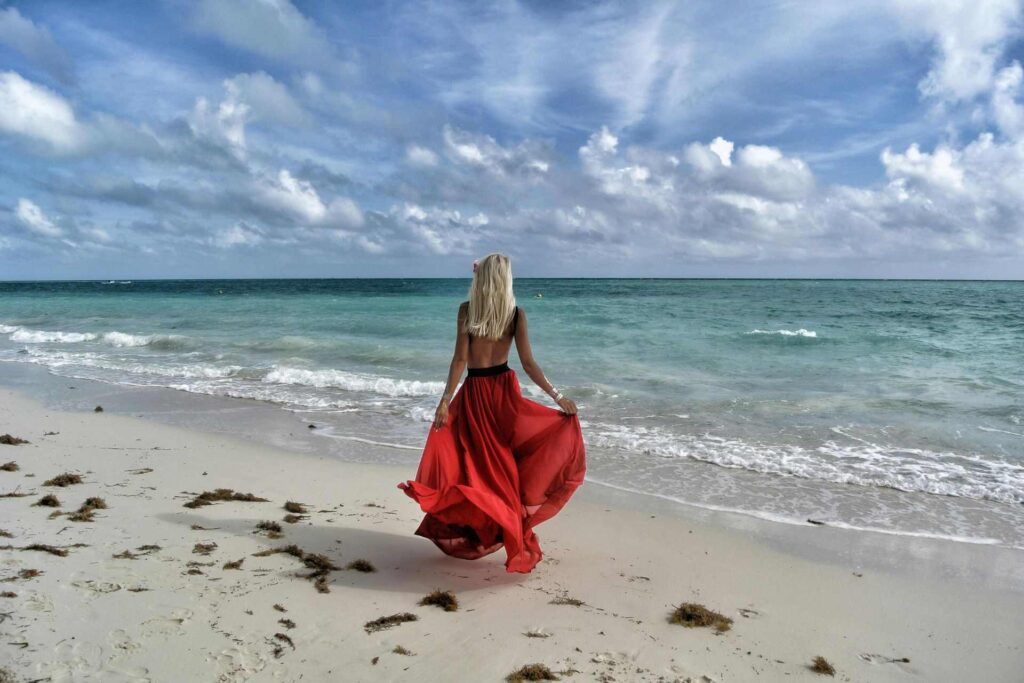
{"x": 500, "y": 466}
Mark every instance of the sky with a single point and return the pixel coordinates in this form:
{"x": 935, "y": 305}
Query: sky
{"x": 277, "y": 138}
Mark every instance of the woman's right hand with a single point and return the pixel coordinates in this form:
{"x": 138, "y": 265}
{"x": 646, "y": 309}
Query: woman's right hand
{"x": 567, "y": 406}
{"x": 441, "y": 414}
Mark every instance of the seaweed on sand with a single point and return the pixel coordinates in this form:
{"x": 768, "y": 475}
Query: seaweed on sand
{"x": 361, "y": 565}
{"x": 66, "y": 479}
{"x": 693, "y": 615}
{"x": 382, "y": 623}
{"x": 219, "y": 495}
{"x": 446, "y": 600}
{"x": 531, "y": 672}
{"x": 820, "y": 665}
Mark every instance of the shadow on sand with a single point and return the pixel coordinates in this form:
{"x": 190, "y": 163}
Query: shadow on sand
{"x": 405, "y": 563}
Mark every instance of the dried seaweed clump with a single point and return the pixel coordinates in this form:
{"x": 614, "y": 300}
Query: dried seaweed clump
{"x": 387, "y": 622}
{"x": 820, "y": 665}
{"x": 8, "y": 440}
{"x": 361, "y": 565}
{"x": 297, "y": 508}
{"x": 235, "y": 564}
{"x": 10, "y": 467}
{"x": 566, "y": 600}
{"x": 218, "y": 495}
{"x": 399, "y": 650}
{"x": 6, "y": 676}
{"x": 292, "y": 519}
{"x": 41, "y": 547}
{"x": 204, "y": 548}
{"x": 66, "y": 479}
{"x": 270, "y": 527}
{"x": 531, "y": 672}
{"x": 692, "y": 615}
{"x": 446, "y": 600}
{"x": 49, "y": 501}
{"x": 4, "y": 533}
{"x": 85, "y": 512}
{"x": 143, "y": 550}
{"x": 320, "y": 564}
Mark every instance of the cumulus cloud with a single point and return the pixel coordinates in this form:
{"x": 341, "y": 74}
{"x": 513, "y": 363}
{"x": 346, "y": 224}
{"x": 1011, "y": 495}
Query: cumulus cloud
{"x": 35, "y": 42}
{"x": 299, "y": 200}
{"x": 969, "y": 37}
{"x": 33, "y": 111}
{"x": 527, "y": 159}
{"x": 247, "y": 98}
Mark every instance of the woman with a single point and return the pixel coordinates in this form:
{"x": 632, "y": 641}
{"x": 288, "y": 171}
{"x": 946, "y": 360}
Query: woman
{"x": 495, "y": 464}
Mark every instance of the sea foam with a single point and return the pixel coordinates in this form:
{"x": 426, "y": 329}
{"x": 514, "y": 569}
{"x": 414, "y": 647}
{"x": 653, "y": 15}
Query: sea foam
{"x": 350, "y": 381}
{"x": 788, "y": 333}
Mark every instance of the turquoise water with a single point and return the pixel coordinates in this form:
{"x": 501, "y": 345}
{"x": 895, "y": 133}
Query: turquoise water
{"x": 890, "y": 405}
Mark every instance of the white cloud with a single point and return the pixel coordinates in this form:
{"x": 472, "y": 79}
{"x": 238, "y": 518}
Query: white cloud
{"x": 299, "y": 200}
{"x": 439, "y": 230}
{"x": 271, "y": 28}
{"x": 1006, "y": 110}
{"x": 238, "y": 235}
{"x": 420, "y": 156}
{"x": 938, "y": 169}
{"x": 33, "y": 218}
{"x": 527, "y": 160}
{"x": 969, "y": 38}
{"x": 247, "y": 97}
{"x": 38, "y": 113}
{"x": 34, "y": 41}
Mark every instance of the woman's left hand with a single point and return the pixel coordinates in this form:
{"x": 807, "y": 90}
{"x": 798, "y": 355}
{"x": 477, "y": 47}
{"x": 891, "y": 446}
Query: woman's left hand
{"x": 441, "y": 414}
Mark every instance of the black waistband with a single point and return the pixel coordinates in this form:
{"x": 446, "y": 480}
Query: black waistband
{"x": 486, "y": 372}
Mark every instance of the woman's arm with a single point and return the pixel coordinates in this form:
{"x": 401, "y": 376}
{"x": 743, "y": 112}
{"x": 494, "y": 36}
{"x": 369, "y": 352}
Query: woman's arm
{"x": 458, "y": 365}
{"x": 531, "y": 368}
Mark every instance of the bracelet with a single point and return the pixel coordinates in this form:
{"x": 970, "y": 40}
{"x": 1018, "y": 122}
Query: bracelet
{"x": 559, "y": 396}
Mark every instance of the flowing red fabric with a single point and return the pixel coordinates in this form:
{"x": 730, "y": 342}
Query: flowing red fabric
{"x": 500, "y": 466}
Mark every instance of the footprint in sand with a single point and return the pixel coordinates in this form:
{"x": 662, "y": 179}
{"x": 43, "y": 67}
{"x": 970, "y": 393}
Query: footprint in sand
{"x": 172, "y": 625}
{"x": 39, "y": 602}
{"x": 96, "y": 586}
{"x": 237, "y": 664}
{"x": 73, "y": 661}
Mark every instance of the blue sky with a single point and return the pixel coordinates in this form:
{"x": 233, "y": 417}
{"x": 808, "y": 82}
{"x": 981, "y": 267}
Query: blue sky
{"x": 267, "y": 138}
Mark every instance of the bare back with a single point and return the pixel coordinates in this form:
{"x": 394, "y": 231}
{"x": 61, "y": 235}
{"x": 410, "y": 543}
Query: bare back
{"x": 484, "y": 352}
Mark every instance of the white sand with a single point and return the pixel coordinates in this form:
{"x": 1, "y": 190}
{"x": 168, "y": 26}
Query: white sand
{"x": 81, "y": 621}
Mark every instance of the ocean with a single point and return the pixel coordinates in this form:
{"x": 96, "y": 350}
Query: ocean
{"x": 895, "y": 406}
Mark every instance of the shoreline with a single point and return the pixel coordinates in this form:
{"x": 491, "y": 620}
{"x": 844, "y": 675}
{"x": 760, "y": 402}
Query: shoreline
{"x": 273, "y": 425}
{"x": 792, "y": 593}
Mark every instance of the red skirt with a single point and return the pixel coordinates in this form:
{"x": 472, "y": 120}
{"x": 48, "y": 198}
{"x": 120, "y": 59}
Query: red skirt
{"x": 500, "y": 466}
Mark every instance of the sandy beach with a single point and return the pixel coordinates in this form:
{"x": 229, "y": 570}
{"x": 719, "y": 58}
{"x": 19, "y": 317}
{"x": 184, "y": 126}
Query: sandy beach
{"x": 150, "y": 589}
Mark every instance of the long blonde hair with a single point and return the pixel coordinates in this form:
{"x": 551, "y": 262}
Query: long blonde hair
{"x": 491, "y": 301}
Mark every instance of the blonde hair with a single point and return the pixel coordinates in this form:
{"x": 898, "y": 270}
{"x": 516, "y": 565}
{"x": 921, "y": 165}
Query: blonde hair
{"x": 491, "y": 301}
